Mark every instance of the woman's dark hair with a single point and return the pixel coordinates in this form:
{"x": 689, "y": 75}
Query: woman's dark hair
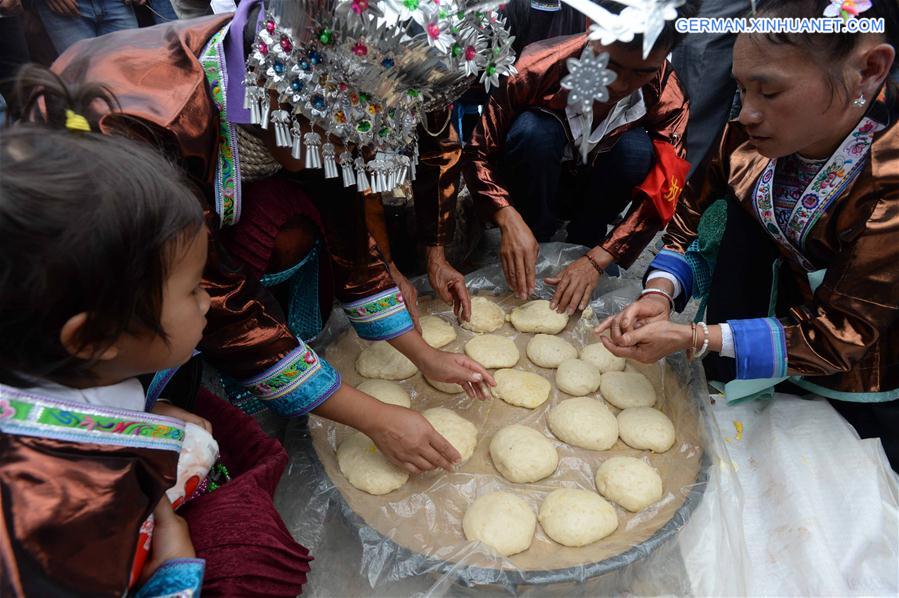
{"x": 827, "y": 49}
{"x": 88, "y": 223}
{"x": 669, "y": 38}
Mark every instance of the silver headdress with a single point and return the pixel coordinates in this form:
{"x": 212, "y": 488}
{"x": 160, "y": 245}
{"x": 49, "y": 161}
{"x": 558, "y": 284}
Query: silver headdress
{"x": 364, "y": 72}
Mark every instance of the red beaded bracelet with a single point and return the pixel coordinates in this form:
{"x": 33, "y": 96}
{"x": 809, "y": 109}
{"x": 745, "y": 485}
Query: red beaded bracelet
{"x": 595, "y": 263}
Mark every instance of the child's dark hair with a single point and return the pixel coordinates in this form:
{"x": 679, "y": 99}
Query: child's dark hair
{"x": 670, "y": 37}
{"x": 88, "y": 223}
{"x": 827, "y": 49}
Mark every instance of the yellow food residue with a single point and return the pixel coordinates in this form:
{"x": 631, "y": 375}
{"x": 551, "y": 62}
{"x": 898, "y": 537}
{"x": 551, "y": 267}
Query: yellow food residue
{"x": 738, "y": 426}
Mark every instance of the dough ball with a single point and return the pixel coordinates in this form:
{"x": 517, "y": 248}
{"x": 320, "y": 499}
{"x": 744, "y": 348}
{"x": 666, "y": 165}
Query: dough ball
{"x": 492, "y": 351}
{"x": 386, "y": 392}
{"x": 522, "y": 389}
{"x": 584, "y": 422}
{"x": 486, "y": 316}
{"x": 436, "y": 331}
{"x": 627, "y": 389}
{"x": 450, "y": 388}
{"x": 629, "y": 482}
{"x": 601, "y": 358}
{"x": 549, "y": 351}
{"x": 577, "y": 377}
{"x": 366, "y": 468}
{"x": 500, "y": 520}
{"x": 460, "y": 432}
{"x": 523, "y": 454}
{"x": 381, "y": 360}
{"x": 537, "y": 316}
{"x": 645, "y": 428}
{"x": 577, "y": 517}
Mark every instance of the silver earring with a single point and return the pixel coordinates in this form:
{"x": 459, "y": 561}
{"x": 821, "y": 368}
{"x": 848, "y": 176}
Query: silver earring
{"x": 860, "y": 101}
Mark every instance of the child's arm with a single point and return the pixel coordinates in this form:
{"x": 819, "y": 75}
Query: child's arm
{"x": 173, "y": 567}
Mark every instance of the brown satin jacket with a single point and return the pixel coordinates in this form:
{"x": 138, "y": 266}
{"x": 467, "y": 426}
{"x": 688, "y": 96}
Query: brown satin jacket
{"x": 845, "y": 336}
{"x": 537, "y": 85}
{"x": 74, "y": 497}
{"x": 163, "y": 96}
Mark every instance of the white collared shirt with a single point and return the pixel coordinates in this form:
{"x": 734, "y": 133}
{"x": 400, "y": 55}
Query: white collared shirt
{"x": 626, "y": 111}
{"x": 128, "y": 394}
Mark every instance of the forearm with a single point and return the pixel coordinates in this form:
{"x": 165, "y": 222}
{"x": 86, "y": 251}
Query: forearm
{"x": 412, "y": 345}
{"x": 351, "y": 407}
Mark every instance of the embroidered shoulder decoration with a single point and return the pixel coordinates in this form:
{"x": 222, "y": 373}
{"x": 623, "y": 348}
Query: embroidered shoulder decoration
{"x": 28, "y": 414}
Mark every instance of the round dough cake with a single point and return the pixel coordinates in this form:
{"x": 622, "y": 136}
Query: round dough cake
{"x": 549, "y": 351}
{"x": 629, "y": 482}
{"x": 450, "y": 388}
{"x": 486, "y": 316}
{"x": 501, "y": 520}
{"x": 523, "y": 455}
{"x": 436, "y": 331}
{"x": 386, "y": 392}
{"x": 381, "y": 360}
{"x": 645, "y": 428}
{"x": 577, "y": 377}
{"x": 520, "y": 388}
{"x": 366, "y": 468}
{"x": 601, "y": 358}
{"x": 627, "y": 389}
{"x": 460, "y": 432}
{"x": 538, "y": 316}
{"x": 584, "y": 422}
{"x": 576, "y": 518}
{"x": 493, "y": 351}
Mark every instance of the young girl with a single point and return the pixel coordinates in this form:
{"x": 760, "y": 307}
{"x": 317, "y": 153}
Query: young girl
{"x": 102, "y": 249}
{"x": 805, "y": 285}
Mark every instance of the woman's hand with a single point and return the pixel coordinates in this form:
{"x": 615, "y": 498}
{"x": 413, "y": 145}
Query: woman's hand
{"x": 409, "y": 440}
{"x": 167, "y": 409}
{"x": 410, "y": 294}
{"x": 649, "y": 308}
{"x": 460, "y": 369}
{"x": 518, "y": 251}
{"x": 574, "y": 286}
{"x": 66, "y": 8}
{"x": 448, "y": 283}
{"x": 651, "y": 342}
{"x": 171, "y": 538}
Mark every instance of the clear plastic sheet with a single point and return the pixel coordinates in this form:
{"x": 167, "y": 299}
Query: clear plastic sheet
{"x": 410, "y": 542}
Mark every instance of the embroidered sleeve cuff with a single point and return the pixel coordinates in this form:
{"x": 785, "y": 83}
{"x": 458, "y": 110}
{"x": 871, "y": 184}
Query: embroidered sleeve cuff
{"x": 674, "y": 263}
{"x": 177, "y": 577}
{"x": 760, "y": 348}
{"x": 380, "y": 317}
{"x": 297, "y": 384}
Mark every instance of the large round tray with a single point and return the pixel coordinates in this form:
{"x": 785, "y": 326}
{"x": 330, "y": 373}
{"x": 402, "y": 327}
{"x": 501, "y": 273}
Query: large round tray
{"x": 421, "y": 521}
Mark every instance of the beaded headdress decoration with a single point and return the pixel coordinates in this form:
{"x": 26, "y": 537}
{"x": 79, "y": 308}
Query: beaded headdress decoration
{"x": 362, "y": 73}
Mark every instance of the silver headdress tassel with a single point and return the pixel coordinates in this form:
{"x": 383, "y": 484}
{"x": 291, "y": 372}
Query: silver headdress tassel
{"x": 363, "y": 72}
{"x": 361, "y": 178}
{"x": 328, "y": 155}
{"x": 346, "y": 169}
{"x": 296, "y": 146}
{"x": 281, "y": 120}
{"x": 313, "y": 141}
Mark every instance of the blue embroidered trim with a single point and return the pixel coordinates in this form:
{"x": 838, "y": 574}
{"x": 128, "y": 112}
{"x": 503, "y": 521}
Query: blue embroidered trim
{"x": 380, "y": 317}
{"x": 760, "y": 347}
{"x": 303, "y": 312}
{"x": 675, "y": 264}
{"x": 28, "y": 414}
{"x": 181, "y": 578}
{"x": 298, "y": 383}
